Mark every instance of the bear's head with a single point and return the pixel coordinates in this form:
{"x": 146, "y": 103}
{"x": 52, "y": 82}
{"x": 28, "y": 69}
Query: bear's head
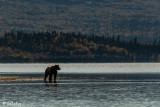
{"x": 55, "y": 67}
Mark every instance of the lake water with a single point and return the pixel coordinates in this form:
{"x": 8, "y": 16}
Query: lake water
{"x": 83, "y": 85}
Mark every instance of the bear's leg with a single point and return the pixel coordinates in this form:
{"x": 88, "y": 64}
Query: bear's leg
{"x": 45, "y": 76}
{"x": 55, "y": 75}
{"x": 50, "y": 78}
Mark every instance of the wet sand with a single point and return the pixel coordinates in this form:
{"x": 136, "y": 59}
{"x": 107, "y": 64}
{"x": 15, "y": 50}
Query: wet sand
{"x": 108, "y": 77}
{"x": 18, "y": 78}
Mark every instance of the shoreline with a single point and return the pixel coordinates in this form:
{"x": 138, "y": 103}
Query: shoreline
{"x": 18, "y": 78}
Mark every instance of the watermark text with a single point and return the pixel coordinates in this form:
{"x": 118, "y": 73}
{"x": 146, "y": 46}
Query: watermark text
{"x": 11, "y": 103}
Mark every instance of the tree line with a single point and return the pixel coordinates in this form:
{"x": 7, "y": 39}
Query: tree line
{"x": 54, "y": 46}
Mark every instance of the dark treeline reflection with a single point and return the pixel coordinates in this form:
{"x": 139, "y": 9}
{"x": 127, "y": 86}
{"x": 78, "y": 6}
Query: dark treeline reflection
{"x": 53, "y": 46}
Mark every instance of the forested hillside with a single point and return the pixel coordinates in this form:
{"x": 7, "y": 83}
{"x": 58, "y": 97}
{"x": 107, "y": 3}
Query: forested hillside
{"x": 53, "y": 46}
{"x": 127, "y": 18}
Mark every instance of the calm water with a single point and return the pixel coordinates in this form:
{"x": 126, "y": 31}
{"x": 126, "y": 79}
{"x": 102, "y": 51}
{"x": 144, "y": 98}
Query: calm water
{"x": 83, "y": 85}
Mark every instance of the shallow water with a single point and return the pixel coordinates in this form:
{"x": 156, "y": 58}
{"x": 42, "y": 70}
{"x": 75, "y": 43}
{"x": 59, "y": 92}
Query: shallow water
{"x": 83, "y": 68}
{"x": 92, "y": 86}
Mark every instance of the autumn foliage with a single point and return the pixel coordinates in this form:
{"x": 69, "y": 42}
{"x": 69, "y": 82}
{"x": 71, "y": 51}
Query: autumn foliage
{"x": 53, "y": 46}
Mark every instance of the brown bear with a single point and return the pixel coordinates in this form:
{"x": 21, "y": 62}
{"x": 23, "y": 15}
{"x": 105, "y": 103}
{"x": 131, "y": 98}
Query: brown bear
{"x": 50, "y": 71}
